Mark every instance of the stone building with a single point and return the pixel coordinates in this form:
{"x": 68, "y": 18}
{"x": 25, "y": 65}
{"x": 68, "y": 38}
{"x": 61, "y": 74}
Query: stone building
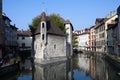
{"x": 69, "y": 34}
{"x": 50, "y": 41}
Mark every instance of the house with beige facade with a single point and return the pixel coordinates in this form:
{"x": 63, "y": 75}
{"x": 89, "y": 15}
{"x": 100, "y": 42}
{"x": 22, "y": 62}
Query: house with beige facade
{"x": 92, "y": 38}
{"x": 100, "y": 35}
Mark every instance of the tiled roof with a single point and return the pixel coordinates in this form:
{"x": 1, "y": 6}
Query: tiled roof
{"x": 24, "y": 33}
{"x": 51, "y": 27}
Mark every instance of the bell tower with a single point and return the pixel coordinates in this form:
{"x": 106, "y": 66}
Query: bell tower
{"x": 43, "y": 34}
{"x": 43, "y": 29}
{"x": 69, "y": 29}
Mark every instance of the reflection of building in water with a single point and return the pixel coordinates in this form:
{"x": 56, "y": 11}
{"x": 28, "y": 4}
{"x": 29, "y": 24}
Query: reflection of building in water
{"x": 83, "y": 63}
{"x": 95, "y": 67}
{"x": 100, "y": 69}
{"x": 92, "y": 67}
{"x": 54, "y": 71}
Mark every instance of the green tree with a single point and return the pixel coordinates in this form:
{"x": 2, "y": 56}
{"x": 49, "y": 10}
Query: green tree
{"x": 56, "y": 18}
{"x": 75, "y": 42}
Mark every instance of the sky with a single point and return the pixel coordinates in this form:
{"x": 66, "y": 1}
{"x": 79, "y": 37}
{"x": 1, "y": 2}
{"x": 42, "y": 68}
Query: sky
{"x": 81, "y": 13}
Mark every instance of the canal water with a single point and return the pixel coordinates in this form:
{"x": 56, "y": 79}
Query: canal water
{"x": 81, "y": 67}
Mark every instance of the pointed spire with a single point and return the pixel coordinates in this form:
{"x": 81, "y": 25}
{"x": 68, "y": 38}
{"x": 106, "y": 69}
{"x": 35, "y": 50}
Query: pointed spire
{"x": 67, "y": 22}
{"x": 43, "y": 16}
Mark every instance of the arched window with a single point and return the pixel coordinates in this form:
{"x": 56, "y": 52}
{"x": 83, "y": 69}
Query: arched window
{"x": 42, "y": 36}
{"x": 43, "y": 25}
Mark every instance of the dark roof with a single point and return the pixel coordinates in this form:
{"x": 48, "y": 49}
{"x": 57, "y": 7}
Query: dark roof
{"x": 100, "y": 22}
{"x": 51, "y": 27}
{"x": 68, "y": 22}
{"x": 13, "y": 27}
{"x": 5, "y": 17}
{"x": 24, "y": 33}
{"x": 92, "y": 27}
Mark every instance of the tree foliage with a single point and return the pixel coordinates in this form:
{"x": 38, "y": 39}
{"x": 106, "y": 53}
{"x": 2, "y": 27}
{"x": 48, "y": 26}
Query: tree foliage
{"x": 56, "y": 18}
{"x": 75, "y": 42}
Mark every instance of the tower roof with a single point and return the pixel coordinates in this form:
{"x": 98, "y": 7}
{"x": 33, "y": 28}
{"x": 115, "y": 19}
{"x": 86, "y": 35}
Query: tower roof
{"x": 43, "y": 16}
{"x": 68, "y": 22}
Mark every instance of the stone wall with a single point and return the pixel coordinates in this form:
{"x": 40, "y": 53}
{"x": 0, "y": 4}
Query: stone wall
{"x": 56, "y": 46}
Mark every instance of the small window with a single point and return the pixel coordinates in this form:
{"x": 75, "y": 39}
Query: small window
{"x": 43, "y": 25}
{"x": 23, "y": 44}
{"x": 42, "y": 36}
{"x": 54, "y": 46}
{"x": 23, "y": 37}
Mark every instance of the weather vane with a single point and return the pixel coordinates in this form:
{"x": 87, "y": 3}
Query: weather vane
{"x": 43, "y": 5}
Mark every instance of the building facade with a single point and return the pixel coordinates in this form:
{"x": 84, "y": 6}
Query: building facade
{"x": 1, "y": 37}
{"x": 24, "y": 40}
{"x": 83, "y": 39}
{"x": 100, "y": 35}
{"x": 108, "y": 21}
{"x": 92, "y": 42}
{"x": 118, "y": 13}
{"x": 50, "y": 41}
{"x": 112, "y": 39}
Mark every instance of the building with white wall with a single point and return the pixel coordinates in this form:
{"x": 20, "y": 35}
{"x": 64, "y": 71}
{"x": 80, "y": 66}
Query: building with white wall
{"x": 83, "y": 39}
{"x": 24, "y": 40}
{"x": 69, "y": 41}
{"x": 50, "y": 41}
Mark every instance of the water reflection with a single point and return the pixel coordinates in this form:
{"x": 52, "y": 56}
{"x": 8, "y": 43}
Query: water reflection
{"x": 54, "y": 71}
{"x": 94, "y": 68}
{"x": 84, "y": 67}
